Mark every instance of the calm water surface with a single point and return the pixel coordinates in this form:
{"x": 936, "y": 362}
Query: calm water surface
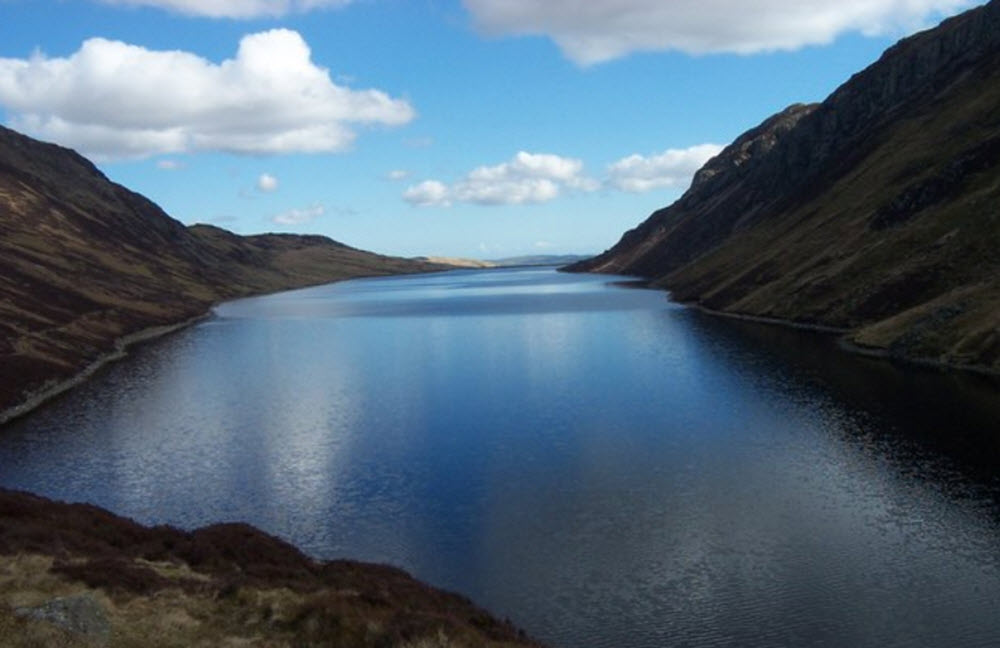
{"x": 600, "y": 465}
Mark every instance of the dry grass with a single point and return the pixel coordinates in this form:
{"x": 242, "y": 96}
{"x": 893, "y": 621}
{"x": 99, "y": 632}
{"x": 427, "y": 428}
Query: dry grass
{"x": 225, "y": 585}
{"x": 249, "y": 617}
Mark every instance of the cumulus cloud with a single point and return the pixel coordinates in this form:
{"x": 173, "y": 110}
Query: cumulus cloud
{"x": 397, "y": 174}
{"x": 115, "y": 100}
{"x": 527, "y": 178}
{"x": 267, "y": 183}
{"x": 600, "y": 30}
{"x": 169, "y": 165}
{"x": 299, "y": 216}
{"x": 672, "y": 168}
{"x": 429, "y": 193}
{"x": 233, "y": 8}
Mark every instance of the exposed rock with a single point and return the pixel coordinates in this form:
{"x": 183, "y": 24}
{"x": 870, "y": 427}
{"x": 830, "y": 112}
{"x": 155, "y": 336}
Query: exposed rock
{"x": 81, "y": 614}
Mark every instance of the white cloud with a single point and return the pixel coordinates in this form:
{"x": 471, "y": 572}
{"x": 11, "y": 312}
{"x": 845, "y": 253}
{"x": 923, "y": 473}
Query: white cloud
{"x": 299, "y": 216}
{"x": 169, "y": 165}
{"x": 397, "y": 174}
{"x": 527, "y": 178}
{"x": 267, "y": 183}
{"x": 600, "y": 30}
{"x": 115, "y": 100}
{"x": 429, "y": 193}
{"x": 672, "y": 168}
{"x": 234, "y": 8}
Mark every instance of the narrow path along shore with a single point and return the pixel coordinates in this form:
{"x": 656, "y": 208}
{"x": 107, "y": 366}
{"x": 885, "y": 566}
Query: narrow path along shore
{"x": 121, "y": 348}
{"x": 845, "y": 342}
{"x": 844, "y": 334}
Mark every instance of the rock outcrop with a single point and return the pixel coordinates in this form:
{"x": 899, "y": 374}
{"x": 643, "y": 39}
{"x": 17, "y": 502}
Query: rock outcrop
{"x": 85, "y": 264}
{"x": 875, "y": 211}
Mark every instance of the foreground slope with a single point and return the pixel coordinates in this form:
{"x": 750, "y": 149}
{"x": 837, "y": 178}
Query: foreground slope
{"x": 85, "y": 262}
{"x": 876, "y": 211}
{"x": 114, "y": 582}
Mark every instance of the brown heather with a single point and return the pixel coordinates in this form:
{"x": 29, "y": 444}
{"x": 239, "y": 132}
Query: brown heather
{"x": 224, "y": 585}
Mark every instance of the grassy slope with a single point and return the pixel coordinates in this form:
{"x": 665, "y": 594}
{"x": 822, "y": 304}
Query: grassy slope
{"x": 925, "y": 288}
{"x": 84, "y": 262}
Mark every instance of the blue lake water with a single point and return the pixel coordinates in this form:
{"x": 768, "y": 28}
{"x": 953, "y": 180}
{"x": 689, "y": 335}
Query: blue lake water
{"x": 600, "y": 465}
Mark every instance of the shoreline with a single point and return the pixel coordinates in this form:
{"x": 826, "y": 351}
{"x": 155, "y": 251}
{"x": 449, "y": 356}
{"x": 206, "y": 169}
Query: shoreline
{"x": 843, "y": 341}
{"x": 121, "y": 345}
{"x": 760, "y": 319}
{"x": 848, "y": 345}
{"x": 120, "y": 350}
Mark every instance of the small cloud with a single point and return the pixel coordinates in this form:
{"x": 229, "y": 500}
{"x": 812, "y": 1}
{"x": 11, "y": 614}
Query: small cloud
{"x": 169, "y": 165}
{"x": 299, "y": 216}
{"x": 542, "y": 245}
{"x": 267, "y": 183}
{"x": 672, "y": 168}
{"x": 429, "y": 193}
{"x": 526, "y": 179}
{"x": 397, "y": 174}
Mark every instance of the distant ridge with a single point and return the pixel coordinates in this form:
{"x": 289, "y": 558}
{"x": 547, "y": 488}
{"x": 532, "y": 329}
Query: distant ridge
{"x": 457, "y": 262}
{"x": 540, "y": 259}
{"x": 875, "y": 212}
{"x": 87, "y": 265}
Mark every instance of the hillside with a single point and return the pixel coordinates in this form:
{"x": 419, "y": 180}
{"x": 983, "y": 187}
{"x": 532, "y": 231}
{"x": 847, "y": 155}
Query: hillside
{"x": 86, "y": 263}
{"x": 875, "y": 211}
{"x": 76, "y": 575}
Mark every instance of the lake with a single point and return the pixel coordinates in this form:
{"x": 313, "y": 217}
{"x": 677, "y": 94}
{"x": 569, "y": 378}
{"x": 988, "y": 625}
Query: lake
{"x": 602, "y": 466}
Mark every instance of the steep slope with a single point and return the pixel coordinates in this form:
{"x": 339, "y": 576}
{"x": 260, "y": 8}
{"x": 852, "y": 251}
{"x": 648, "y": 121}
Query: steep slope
{"x": 85, "y": 263}
{"x": 875, "y": 211}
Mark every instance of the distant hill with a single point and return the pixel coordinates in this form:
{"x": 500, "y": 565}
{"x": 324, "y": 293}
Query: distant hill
{"x": 85, "y": 264}
{"x": 876, "y": 211}
{"x": 531, "y": 260}
{"x": 540, "y": 259}
{"x": 457, "y": 262}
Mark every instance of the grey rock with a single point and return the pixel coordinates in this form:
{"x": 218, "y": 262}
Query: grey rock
{"x": 82, "y": 614}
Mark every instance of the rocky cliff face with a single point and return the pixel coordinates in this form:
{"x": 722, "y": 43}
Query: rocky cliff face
{"x": 85, "y": 262}
{"x": 874, "y": 211}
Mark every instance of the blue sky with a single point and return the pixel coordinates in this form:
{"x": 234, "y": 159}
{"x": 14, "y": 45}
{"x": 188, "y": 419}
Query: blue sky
{"x": 472, "y": 128}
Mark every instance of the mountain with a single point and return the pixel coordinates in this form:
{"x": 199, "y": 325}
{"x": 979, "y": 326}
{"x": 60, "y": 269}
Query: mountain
{"x": 875, "y": 211}
{"x": 86, "y": 265}
{"x": 77, "y": 575}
